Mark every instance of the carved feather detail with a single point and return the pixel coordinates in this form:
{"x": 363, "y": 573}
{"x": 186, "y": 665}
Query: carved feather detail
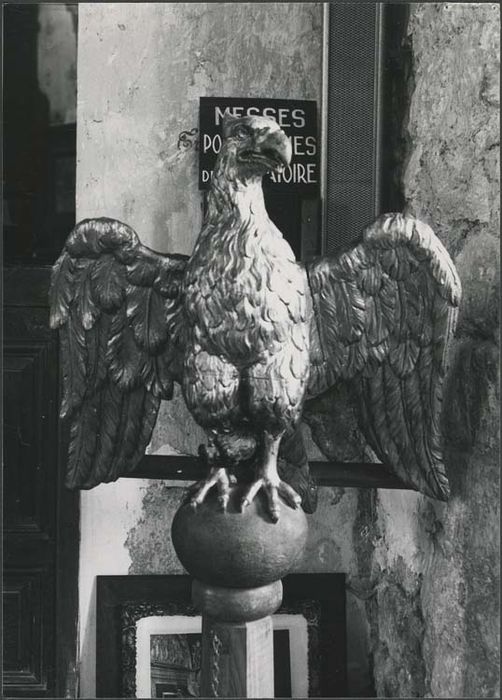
{"x": 117, "y": 306}
{"x": 74, "y": 363}
{"x": 107, "y": 283}
{"x": 61, "y": 290}
{"x": 392, "y": 301}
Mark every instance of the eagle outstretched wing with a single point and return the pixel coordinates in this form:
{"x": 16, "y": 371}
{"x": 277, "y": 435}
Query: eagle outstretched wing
{"x": 384, "y": 313}
{"x": 117, "y": 306}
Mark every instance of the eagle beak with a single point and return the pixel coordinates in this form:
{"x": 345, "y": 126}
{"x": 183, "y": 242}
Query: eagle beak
{"x": 276, "y": 148}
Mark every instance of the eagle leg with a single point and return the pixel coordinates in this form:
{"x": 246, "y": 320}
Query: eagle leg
{"x": 267, "y": 478}
{"x": 217, "y": 476}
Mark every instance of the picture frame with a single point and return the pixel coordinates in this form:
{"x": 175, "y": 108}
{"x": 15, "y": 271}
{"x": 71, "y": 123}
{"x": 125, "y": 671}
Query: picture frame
{"x": 125, "y": 601}
{"x": 168, "y": 654}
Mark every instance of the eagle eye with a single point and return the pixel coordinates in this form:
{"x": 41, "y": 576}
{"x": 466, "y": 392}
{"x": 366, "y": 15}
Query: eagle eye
{"x": 241, "y": 132}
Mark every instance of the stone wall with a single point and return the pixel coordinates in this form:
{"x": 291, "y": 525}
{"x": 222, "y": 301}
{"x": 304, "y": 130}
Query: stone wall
{"x": 432, "y": 569}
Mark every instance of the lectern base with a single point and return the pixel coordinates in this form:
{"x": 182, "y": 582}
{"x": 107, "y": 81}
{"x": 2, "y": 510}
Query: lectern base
{"x": 237, "y": 639}
{"x": 237, "y": 659}
{"x": 238, "y": 558}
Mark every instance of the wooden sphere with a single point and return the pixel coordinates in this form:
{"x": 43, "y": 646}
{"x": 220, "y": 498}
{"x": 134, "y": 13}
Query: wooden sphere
{"x": 238, "y": 549}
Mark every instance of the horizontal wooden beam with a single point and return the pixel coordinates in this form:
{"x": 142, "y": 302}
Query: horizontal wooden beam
{"x": 347, "y": 474}
{"x": 357, "y": 474}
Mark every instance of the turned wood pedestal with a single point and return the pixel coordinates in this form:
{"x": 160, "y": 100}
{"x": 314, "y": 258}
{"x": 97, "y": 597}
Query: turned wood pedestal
{"x": 237, "y": 560}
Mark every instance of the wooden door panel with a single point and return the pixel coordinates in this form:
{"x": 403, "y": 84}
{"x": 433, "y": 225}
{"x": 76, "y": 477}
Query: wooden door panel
{"x": 40, "y": 516}
{"x": 28, "y": 503}
{"x": 22, "y": 611}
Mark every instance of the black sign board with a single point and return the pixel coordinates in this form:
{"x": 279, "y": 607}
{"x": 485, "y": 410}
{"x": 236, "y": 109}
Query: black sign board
{"x": 298, "y": 118}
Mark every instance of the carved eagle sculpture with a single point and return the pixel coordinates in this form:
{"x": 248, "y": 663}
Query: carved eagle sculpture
{"x": 250, "y": 334}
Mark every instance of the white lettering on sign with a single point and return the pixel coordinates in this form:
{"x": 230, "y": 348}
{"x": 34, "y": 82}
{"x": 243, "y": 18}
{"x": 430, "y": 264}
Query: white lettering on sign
{"x": 304, "y": 145}
{"x": 298, "y": 118}
{"x": 211, "y": 143}
{"x": 297, "y": 173}
{"x": 285, "y": 117}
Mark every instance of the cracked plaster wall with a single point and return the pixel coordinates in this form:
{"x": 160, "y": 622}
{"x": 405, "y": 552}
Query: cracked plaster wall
{"x": 432, "y": 569}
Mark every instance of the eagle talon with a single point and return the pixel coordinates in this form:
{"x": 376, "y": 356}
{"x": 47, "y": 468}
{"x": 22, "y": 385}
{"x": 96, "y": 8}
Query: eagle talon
{"x": 289, "y": 495}
{"x": 272, "y": 491}
{"x": 217, "y": 477}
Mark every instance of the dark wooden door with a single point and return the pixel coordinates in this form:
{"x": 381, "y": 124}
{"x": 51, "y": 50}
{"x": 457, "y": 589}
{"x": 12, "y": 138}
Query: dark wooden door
{"x": 40, "y": 517}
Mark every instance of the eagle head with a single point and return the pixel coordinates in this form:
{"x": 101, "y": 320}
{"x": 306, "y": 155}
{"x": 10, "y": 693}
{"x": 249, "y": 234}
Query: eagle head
{"x": 257, "y": 145}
